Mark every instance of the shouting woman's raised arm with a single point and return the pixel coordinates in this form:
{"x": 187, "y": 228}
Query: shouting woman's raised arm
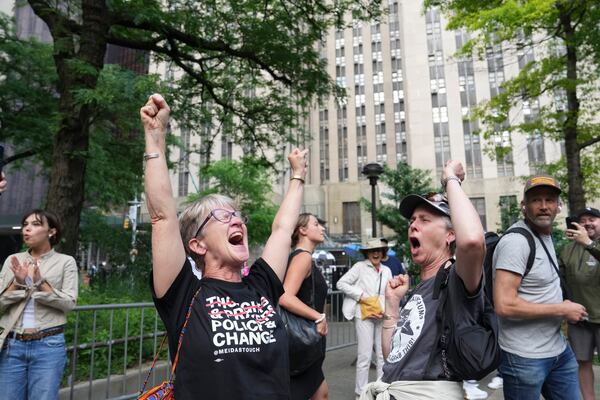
{"x": 277, "y": 249}
{"x": 168, "y": 253}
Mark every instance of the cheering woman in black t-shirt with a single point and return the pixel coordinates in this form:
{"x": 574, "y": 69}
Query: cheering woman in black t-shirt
{"x": 301, "y": 279}
{"x": 235, "y": 345}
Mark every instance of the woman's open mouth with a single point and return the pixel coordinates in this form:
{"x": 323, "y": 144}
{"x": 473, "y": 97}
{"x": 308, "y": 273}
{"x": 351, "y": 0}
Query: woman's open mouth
{"x": 414, "y": 243}
{"x": 236, "y": 238}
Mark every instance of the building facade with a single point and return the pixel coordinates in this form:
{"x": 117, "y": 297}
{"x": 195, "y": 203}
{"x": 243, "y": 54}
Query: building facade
{"x": 408, "y": 99}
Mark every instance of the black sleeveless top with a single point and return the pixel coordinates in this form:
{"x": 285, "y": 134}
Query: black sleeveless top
{"x": 304, "y": 293}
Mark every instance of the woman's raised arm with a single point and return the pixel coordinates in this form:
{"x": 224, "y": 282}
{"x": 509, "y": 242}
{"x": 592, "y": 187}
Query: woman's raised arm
{"x": 277, "y": 248}
{"x": 168, "y": 253}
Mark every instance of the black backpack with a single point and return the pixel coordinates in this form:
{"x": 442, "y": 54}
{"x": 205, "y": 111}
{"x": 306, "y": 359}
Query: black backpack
{"x": 491, "y": 241}
{"x": 468, "y": 344}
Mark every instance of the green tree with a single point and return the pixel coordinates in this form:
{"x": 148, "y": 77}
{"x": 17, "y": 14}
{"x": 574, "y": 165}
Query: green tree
{"x": 247, "y": 182}
{"x": 125, "y": 280}
{"x": 564, "y": 76}
{"x": 402, "y": 181}
{"x": 29, "y": 116}
{"x": 28, "y": 105}
{"x": 245, "y": 59}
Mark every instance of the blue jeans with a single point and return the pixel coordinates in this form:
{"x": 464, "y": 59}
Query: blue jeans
{"x": 32, "y": 370}
{"x": 553, "y": 377}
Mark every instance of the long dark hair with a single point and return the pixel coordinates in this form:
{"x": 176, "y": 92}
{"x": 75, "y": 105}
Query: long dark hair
{"x": 49, "y": 217}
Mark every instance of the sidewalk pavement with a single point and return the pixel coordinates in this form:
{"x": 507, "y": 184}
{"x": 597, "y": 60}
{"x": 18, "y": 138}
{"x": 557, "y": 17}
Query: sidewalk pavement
{"x": 340, "y": 375}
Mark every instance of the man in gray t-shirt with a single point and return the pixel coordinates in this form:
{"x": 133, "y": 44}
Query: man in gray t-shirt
{"x": 536, "y": 357}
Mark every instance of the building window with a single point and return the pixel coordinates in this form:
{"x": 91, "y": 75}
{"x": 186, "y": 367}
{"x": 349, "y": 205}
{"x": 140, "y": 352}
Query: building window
{"x": 324, "y": 145}
{"x": 479, "y": 204}
{"x": 351, "y": 218}
{"x": 437, "y": 87}
{"x": 535, "y": 151}
{"x": 468, "y": 99}
{"x": 342, "y": 131}
{"x": 509, "y": 211}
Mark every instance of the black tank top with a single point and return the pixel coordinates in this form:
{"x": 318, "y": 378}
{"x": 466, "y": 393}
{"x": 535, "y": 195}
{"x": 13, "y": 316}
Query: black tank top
{"x": 304, "y": 293}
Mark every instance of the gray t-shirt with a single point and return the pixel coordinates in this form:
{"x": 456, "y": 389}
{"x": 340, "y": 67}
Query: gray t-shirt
{"x": 530, "y": 338}
{"x": 416, "y": 331}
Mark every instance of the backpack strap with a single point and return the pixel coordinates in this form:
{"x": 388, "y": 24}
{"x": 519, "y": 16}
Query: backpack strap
{"x": 441, "y": 340}
{"x": 530, "y": 241}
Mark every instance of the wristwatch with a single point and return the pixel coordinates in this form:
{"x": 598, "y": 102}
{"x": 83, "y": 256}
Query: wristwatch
{"x": 444, "y": 181}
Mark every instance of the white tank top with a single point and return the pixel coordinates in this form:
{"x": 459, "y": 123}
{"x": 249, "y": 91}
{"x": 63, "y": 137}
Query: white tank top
{"x": 29, "y": 311}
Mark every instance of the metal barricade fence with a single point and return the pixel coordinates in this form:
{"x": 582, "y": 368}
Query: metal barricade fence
{"x": 110, "y": 348}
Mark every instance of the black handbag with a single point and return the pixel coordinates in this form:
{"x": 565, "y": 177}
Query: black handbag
{"x": 304, "y": 342}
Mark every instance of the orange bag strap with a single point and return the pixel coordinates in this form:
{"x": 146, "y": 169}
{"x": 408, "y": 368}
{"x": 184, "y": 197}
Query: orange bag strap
{"x": 183, "y": 330}
{"x": 162, "y": 343}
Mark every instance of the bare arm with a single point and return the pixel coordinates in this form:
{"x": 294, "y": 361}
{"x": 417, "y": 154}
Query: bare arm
{"x": 395, "y": 290}
{"x": 298, "y": 270}
{"x": 508, "y": 304}
{"x": 470, "y": 240}
{"x": 168, "y": 253}
{"x": 276, "y": 249}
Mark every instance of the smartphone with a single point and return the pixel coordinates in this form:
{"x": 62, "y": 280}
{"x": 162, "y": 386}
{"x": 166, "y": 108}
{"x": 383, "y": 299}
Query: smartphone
{"x": 570, "y": 221}
{"x": 1, "y": 157}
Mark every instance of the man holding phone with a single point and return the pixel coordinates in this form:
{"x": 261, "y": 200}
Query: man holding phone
{"x": 580, "y": 266}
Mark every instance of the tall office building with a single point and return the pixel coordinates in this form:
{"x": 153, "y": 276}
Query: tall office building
{"x": 408, "y": 99}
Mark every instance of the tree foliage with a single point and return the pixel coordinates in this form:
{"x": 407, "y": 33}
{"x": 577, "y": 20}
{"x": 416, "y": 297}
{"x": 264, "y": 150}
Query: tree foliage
{"x": 29, "y": 116}
{"x": 560, "y": 86}
{"x": 250, "y": 62}
{"x": 247, "y": 182}
{"x": 123, "y": 279}
{"x": 28, "y": 100}
{"x": 401, "y": 181}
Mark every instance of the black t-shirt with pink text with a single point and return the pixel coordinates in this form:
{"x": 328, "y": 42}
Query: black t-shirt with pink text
{"x": 235, "y": 345}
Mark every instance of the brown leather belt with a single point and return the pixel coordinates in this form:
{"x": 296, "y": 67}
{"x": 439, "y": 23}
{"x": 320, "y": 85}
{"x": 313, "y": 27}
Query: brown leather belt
{"x": 28, "y": 337}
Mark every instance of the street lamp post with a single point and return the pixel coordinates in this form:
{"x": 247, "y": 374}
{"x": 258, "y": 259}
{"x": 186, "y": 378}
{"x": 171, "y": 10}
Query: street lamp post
{"x": 372, "y": 171}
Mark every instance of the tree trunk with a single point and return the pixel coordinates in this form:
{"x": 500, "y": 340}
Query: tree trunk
{"x": 71, "y": 143}
{"x": 576, "y": 196}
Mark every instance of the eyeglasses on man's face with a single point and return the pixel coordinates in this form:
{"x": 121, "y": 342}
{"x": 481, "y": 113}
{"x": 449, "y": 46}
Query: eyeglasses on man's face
{"x": 222, "y": 215}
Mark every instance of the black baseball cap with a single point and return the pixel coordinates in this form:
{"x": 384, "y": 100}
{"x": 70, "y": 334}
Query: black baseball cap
{"x": 412, "y": 201}
{"x": 589, "y": 211}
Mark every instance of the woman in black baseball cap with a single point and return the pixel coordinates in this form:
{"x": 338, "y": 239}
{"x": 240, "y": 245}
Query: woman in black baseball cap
{"x": 441, "y": 228}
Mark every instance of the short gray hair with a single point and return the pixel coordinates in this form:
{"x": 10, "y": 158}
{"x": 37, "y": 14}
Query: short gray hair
{"x": 191, "y": 218}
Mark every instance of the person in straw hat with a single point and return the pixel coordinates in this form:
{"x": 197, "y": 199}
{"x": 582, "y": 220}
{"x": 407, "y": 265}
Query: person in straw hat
{"x": 364, "y": 301}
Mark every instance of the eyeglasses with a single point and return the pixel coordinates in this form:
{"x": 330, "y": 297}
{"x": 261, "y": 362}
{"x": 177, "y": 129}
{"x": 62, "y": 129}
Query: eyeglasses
{"x": 223, "y": 216}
